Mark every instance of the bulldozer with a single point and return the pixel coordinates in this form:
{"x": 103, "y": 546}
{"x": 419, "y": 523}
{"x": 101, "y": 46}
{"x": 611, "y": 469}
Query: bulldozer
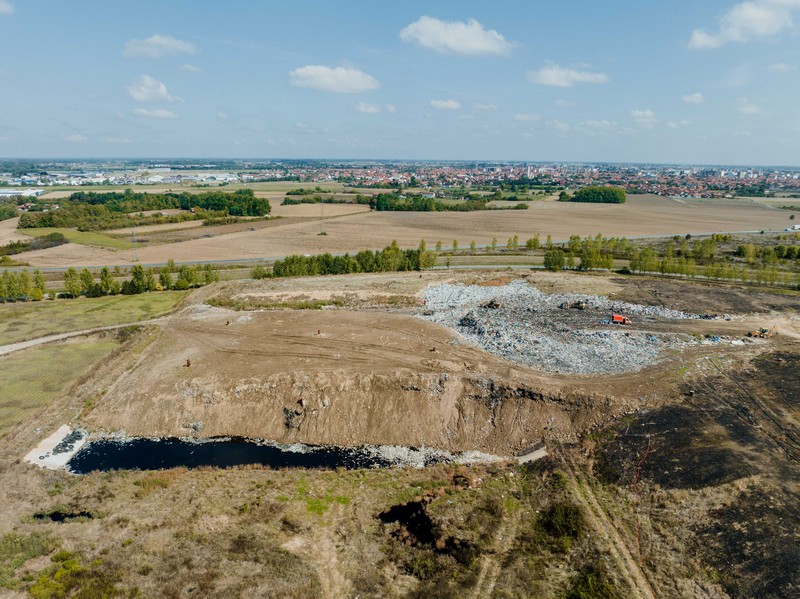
{"x": 763, "y": 333}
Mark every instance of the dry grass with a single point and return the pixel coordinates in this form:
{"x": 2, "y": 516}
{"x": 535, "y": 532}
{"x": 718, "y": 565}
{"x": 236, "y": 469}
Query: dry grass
{"x": 23, "y": 321}
{"x": 31, "y": 379}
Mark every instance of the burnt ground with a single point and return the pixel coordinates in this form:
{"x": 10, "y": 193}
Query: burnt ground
{"x": 701, "y": 297}
{"x": 737, "y": 424}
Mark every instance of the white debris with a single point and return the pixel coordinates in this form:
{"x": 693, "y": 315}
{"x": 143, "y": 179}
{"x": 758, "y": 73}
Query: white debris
{"x": 520, "y": 323}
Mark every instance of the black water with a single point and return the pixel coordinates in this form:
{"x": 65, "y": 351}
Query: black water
{"x": 158, "y": 454}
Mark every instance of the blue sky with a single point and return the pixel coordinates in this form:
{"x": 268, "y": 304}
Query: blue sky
{"x": 715, "y": 82}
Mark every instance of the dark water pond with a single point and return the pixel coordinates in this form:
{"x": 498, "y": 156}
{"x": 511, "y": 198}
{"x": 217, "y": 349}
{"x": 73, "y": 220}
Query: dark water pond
{"x": 156, "y": 454}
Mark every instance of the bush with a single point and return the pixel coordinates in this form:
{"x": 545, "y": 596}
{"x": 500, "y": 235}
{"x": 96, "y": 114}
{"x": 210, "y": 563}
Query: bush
{"x": 259, "y": 272}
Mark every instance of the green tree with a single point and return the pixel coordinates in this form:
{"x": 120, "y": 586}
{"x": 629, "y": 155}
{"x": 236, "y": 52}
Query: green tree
{"x": 87, "y": 280}
{"x": 438, "y": 246}
{"x": 39, "y": 285}
{"x": 554, "y": 260}
{"x": 549, "y": 243}
{"x": 72, "y": 283}
{"x": 455, "y": 245}
{"x": 472, "y": 247}
{"x": 108, "y": 284}
{"x": 533, "y": 243}
{"x": 494, "y": 244}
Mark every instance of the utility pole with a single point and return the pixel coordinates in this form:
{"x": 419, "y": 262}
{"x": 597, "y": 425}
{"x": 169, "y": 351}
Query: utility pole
{"x": 134, "y": 257}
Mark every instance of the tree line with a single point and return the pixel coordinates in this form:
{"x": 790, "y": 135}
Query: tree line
{"x": 26, "y": 286}
{"x": 391, "y": 258}
{"x": 36, "y": 243}
{"x": 598, "y": 194}
{"x": 88, "y": 211}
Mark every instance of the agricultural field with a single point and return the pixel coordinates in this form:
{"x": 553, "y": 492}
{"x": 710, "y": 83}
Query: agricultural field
{"x": 22, "y": 321}
{"x": 88, "y": 238}
{"x": 641, "y": 216}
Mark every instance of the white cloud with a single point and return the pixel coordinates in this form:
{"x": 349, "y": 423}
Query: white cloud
{"x": 446, "y": 104}
{"x": 526, "y": 118}
{"x": 744, "y": 106}
{"x": 457, "y": 37}
{"x": 77, "y": 138}
{"x": 148, "y": 89}
{"x": 190, "y": 68}
{"x": 644, "y": 118}
{"x": 367, "y": 108}
{"x": 559, "y": 126}
{"x": 780, "y": 67}
{"x": 695, "y": 98}
{"x": 6, "y": 8}
{"x": 341, "y": 80}
{"x": 678, "y": 124}
{"x": 486, "y": 107}
{"x": 565, "y": 103}
{"x": 747, "y": 20}
{"x": 157, "y": 46}
{"x": 602, "y": 125}
{"x": 557, "y": 76}
{"x": 156, "y": 113}
{"x": 223, "y": 116}
{"x": 118, "y": 140}
{"x": 390, "y": 108}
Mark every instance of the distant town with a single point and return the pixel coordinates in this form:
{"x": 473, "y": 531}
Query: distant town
{"x": 31, "y": 178}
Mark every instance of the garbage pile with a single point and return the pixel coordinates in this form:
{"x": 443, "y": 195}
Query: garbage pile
{"x": 562, "y": 333}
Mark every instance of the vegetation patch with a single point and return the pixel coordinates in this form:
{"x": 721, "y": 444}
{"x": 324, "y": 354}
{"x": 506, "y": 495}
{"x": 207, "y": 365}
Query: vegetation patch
{"x": 16, "y": 549}
{"x": 71, "y": 576}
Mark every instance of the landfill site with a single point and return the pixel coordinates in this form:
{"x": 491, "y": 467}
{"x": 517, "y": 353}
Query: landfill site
{"x": 626, "y": 434}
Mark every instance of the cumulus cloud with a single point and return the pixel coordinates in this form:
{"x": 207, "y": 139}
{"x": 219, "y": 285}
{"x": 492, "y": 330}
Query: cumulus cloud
{"x": 6, "y": 8}
{"x": 748, "y": 20}
{"x": 157, "y": 46}
{"x": 156, "y": 113}
{"x": 456, "y": 37}
{"x": 557, "y": 76}
{"x": 77, "y": 138}
{"x": 341, "y": 80}
{"x": 602, "y": 125}
{"x": 446, "y": 104}
{"x": 190, "y": 68}
{"x": 526, "y": 118}
{"x": 118, "y": 140}
{"x": 486, "y": 107}
{"x": 390, "y": 108}
{"x": 744, "y": 106}
{"x": 695, "y": 98}
{"x": 644, "y": 118}
{"x": 148, "y": 89}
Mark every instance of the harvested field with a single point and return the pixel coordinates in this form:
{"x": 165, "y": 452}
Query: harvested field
{"x": 641, "y": 216}
{"x": 317, "y": 210}
{"x": 8, "y": 231}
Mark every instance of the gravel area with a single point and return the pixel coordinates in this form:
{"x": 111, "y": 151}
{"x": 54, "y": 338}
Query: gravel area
{"x": 558, "y": 333}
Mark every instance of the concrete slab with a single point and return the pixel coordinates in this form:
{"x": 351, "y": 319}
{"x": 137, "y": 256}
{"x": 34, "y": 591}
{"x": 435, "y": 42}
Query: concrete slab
{"x": 52, "y": 454}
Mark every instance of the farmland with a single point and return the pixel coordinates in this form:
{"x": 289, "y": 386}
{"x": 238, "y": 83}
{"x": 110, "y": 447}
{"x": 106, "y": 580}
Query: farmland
{"x": 299, "y": 231}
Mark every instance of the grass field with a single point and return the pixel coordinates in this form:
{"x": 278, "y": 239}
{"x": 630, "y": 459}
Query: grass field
{"x": 91, "y": 238}
{"x": 30, "y": 379}
{"x": 19, "y": 322}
